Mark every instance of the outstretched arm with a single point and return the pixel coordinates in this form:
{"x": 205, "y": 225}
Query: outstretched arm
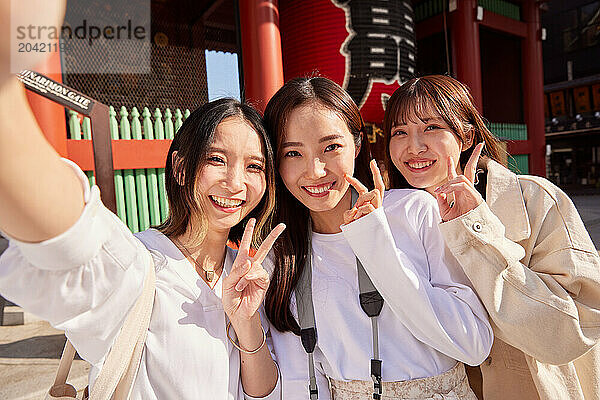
{"x": 41, "y": 196}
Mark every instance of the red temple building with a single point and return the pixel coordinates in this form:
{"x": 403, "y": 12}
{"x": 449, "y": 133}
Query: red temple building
{"x": 368, "y": 46}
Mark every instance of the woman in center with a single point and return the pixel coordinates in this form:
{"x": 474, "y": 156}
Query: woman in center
{"x": 416, "y": 320}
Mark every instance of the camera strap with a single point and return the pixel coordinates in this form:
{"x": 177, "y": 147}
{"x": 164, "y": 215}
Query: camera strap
{"x": 371, "y": 302}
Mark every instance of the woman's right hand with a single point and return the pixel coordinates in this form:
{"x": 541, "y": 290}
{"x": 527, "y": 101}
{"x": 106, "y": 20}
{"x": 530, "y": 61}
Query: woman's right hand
{"x": 246, "y": 285}
{"x": 466, "y": 197}
{"x": 368, "y": 201}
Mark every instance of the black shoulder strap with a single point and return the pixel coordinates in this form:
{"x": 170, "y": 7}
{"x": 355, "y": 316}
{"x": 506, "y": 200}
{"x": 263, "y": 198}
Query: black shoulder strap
{"x": 370, "y": 301}
{"x": 306, "y": 318}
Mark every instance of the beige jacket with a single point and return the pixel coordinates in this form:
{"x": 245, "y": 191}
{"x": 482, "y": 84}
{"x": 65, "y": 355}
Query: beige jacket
{"x": 535, "y": 268}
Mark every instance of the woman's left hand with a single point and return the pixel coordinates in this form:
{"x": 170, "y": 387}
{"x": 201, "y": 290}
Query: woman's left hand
{"x": 466, "y": 197}
{"x": 246, "y": 285}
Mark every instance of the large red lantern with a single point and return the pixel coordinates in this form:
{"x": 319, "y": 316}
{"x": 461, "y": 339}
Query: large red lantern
{"x": 366, "y": 46}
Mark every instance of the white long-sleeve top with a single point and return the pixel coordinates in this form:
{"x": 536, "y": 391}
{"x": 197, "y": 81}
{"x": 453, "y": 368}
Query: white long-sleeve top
{"x": 85, "y": 281}
{"x": 430, "y": 319}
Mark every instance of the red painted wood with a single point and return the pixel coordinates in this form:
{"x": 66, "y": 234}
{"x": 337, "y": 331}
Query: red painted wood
{"x": 533, "y": 88}
{"x": 518, "y": 147}
{"x": 50, "y": 116}
{"x": 504, "y": 24}
{"x": 465, "y": 49}
{"x": 433, "y": 25}
{"x": 127, "y": 154}
{"x": 261, "y": 41}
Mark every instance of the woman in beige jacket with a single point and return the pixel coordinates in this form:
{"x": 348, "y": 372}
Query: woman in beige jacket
{"x": 518, "y": 238}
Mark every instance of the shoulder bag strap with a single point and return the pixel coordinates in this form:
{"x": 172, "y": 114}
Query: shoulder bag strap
{"x": 60, "y": 388}
{"x": 126, "y": 352}
{"x": 371, "y": 302}
{"x": 121, "y": 365}
{"x": 306, "y": 318}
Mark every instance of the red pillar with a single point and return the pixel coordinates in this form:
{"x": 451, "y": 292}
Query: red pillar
{"x": 261, "y": 50}
{"x": 465, "y": 49}
{"x": 533, "y": 88}
{"x": 50, "y": 116}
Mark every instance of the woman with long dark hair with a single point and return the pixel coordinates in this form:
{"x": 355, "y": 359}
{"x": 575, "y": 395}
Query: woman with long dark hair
{"x": 74, "y": 263}
{"x": 359, "y": 276}
{"x": 518, "y": 238}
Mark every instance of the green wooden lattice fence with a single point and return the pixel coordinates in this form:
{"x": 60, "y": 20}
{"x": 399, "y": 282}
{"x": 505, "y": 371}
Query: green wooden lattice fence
{"x": 140, "y": 193}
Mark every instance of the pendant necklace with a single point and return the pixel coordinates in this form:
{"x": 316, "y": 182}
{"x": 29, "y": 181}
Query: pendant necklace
{"x": 209, "y": 274}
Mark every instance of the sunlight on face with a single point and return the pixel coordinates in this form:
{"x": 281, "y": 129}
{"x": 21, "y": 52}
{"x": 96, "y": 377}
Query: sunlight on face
{"x": 316, "y": 152}
{"x": 232, "y": 181}
{"x": 419, "y": 149}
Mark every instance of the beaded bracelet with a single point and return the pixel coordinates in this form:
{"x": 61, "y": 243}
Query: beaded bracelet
{"x": 237, "y": 346}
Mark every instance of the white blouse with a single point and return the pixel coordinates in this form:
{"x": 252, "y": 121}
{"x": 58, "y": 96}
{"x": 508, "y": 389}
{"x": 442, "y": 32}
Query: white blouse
{"x": 85, "y": 281}
{"x": 430, "y": 317}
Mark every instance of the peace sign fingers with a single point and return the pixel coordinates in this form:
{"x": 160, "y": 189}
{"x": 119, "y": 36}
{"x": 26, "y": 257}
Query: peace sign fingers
{"x": 378, "y": 180}
{"x": 267, "y": 244}
{"x": 451, "y": 168}
{"x": 356, "y": 184}
{"x": 246, "y": 242}
{"x": 368, "y": 201}
{"x": 471, "y": 167}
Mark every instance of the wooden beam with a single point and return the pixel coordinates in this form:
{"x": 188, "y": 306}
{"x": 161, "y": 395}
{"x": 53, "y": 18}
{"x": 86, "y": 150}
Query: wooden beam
{"x": 518, "y": 147}
{"x": 431, "y": 26}
{"x": 504, "y": 24}
{"x": 127, "y": 154}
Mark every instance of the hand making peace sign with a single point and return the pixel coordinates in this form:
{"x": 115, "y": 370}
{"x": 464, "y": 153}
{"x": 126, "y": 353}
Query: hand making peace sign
{"x": 367, "y": 200}
{"x": 466, "y": 197}
{"x": 245, "y": 287}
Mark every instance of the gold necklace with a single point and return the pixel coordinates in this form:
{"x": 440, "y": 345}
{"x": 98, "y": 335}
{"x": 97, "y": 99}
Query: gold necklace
{"x": 209, "y": 274}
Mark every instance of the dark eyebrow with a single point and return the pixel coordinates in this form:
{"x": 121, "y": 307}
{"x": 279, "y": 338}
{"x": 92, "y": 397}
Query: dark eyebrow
{"x": 291, "y": 144}
{"x": 426, "y": 120}
{"x": 253, "y": 157}
{"x": 330, "y": 137}
{"x": 323, "y": 139}
{"x": 258, "y": 158}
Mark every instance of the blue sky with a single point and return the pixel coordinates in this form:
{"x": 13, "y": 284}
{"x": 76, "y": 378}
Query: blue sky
{"x": 222, "y": 75}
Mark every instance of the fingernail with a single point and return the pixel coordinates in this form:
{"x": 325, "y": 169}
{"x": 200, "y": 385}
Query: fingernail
{"x": 239, "y": 287}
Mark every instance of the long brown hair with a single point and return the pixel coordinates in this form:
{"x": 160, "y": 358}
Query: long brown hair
{"x": 453, "y": 102}
{"x": 192, "y": 142}
{"x": 292, "y": 247}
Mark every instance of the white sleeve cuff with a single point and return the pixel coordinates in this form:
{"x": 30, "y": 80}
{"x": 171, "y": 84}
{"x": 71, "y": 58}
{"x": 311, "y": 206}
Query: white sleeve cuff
{"x": 365, "y": 223}
{"x": 76, "y": 245}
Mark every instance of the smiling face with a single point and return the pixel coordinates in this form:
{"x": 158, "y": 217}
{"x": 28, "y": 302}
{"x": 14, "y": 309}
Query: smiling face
{"x": 232, "y": 180}
{"x": 419, "y": 149}
{"x": 315, "y": 153}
